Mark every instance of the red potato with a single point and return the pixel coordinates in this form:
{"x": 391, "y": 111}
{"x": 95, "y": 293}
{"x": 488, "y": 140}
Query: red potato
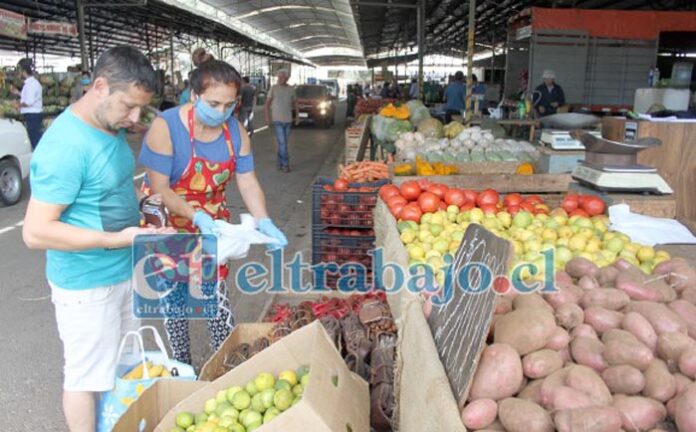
{"x": 588, "y": 282}
{"x": 603, "y": 319}
{"x": 634, "y": 287}
{"x": 584, "y": 330}
{"x": 589, "y": 382}
{"x": 565, "y": 355}
{"x": 662, "y": 318}
{"x": 606, "y": 276}
{"x": 499, "y": 374}
{"x": 562, "y": 279}
{"x": 685, "y": 410}
{"x": 687, "y": 362}
{"x": 565, "y": 397}
{"x": 624, "y": 379}
{"x": 671, "y": 345}
{"x": 667, "y": 293}
{"x": 519, "y": 415}
{"x": 591, "y": 419}
{"x": 559, "y": 339}
{"x": 618, "y": 334}
{"x": 526, "y": 330}
{"x": 659, "y": 382}
{"x": 588, "y": 352}
{"x": 569, "y": 315}
{"x": 480, "y": 413}
{"x": 639, "y": 413}
{"x": 532, "y": 391}
{"x": 542, "y": 363}
{"x": 608, "y": 298}
{"x": 579, "y": 267}
{"x": 681, "y": 274}
{"x": 503, "y": 304}
{"x": 689, "y": 294}
{"x": 682, "y": 382}
{"x": 570, "y": 294}
{"x": 623, "y": 352}
{"x": 531, "y": 301}
{"x": 551, "y": 383}
{"x": 671, "y": 406}
{"x": 495, "y": 426}
{"x": 687, "y": 312}
{"x": 641, "y": 328}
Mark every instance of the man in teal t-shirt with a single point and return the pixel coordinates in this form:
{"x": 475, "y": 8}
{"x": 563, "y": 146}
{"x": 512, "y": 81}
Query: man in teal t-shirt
{"x": 84, "y": 212}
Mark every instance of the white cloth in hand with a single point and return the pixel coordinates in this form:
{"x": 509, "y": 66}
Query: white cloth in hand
{"x": 235, "y": 241}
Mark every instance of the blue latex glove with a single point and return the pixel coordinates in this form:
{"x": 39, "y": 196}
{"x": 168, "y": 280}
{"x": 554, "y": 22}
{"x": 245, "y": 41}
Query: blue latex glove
{"x": 267, "y": 227}
{"x": 206, "y": 225}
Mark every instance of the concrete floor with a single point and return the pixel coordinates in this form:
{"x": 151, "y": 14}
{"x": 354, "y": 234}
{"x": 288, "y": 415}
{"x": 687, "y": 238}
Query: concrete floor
{"x": 31, "y": 353}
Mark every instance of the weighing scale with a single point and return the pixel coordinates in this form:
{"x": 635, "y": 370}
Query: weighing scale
{"x": 561, "y": 140}
{"x": 612, "y": 166}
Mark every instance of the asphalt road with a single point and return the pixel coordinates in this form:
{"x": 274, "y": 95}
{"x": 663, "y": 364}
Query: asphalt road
{"x": 31, "y": 353}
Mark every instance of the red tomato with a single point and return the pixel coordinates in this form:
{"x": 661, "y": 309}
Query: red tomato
{"x": 387, "y": 191}
{"x": 583, "y": 198}
{"x": 579, "y": 212}
{"x": 513, "y": 210}
{"x": 396, "y": 199}
{"x": 534, "y": 199}
{"x": 541, "y": 209}
{"x": 341, "y": 185}
{"x": 410, "y": 190}
{"x": 396, "y": 209}
{"x": 467, "y": 206}
{"x": 365, "y": 189}
{"x": 328, "y": 188}
{"x": 594, "y": 206}
{"x": 443, "y": 206}
{"x": 487, "y": 197}
{"x": 513, "y": 199}
{"x": 424, "y": 183}
{"x": 569, "y": 204}
{"x": 411, "y": 212}
{"x": 470, "y": 195}
{"x": 438, "y": 189}
{"x": 429, "y": 202}
{"x": 489, "y": 208}
{"x": 455, "y": 197}
{"x": 527, "y": 207}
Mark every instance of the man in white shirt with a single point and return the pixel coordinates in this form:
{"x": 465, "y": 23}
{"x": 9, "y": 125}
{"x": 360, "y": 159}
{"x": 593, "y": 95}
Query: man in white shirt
{"x": 31, "y": 103}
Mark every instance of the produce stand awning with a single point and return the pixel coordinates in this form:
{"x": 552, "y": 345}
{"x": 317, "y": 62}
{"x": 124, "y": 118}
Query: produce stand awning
{"x": 145, "y": 24}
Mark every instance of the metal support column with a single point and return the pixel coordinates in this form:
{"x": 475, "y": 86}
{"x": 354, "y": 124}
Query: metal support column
{"x": 81, "y": 33}
{"x": 171, "y": 53}
{"x": 470, "y": 56}
{"x": 420, "y": 18}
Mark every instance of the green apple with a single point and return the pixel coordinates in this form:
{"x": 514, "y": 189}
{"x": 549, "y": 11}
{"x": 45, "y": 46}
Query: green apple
{"x": 231, "y": 392}
{"x": 522, "y": 219}
{"x": 184, "y": 419}
{"x": 210, "y": 406}
{"x": 283, "y": 399}
{"x": 241, "y": 400}
{"x": 257, "y": 403}
{"x": 251, "y": 418}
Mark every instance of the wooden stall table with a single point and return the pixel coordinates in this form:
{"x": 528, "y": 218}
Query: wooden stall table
{"x": 514, "y": 123}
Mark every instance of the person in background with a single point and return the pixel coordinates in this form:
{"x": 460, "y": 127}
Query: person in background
{"x": 84, "y": 212}
{"x": 168, "y": 94}
{"x": 413, "y": 90}
{"x": 280, "y": 104}
{"x": 395, "y": 90}
{"x": 191, "y": 154}
{"x": 185, "y": 95}
{"x": 248, "y": 103}
{"x": 30, "y": 102}
{"x": 385, "y": 91}
{"x": 477, "y": 88}
{"x": 454, "y": 96}
{"x": 550, "y": 96}
{"x": 82, "y": 86}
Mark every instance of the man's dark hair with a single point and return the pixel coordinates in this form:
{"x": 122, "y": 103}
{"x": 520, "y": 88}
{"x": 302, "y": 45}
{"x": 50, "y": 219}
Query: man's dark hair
{"x": 246, "y": 79}
{"x": 85, "y": 72}
{"x": 214, "y": 71}
{"x": 459, "y": 76}
{"x": 474, "y": 78}
{"x": 125, "y": 65}
{"x": 26, "y": 65}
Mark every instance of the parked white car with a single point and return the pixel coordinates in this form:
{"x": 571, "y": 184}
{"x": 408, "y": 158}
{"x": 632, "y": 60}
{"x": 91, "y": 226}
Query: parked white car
{"x": 15, "y": 154}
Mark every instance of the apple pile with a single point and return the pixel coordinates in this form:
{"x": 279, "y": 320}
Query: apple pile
{"x": 435, "y": 237}
{"x": 244, "y": 409}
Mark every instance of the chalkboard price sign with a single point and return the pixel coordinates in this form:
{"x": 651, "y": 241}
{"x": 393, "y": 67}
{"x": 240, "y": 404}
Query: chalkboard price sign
{"x": 460, "y": 325}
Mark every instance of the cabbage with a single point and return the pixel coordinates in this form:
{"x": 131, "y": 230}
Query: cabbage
{"x": 418, "y": 111}
{"x": 388, "y": 129}
{"x": 431, "y": 128}
{"x": 452, "y": 129}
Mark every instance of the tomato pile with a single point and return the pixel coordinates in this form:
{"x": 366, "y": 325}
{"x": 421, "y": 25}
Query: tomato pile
{"x": 583, "y": 205}
{"x": 343, "y": 205}
{"x": 416, "y": 197}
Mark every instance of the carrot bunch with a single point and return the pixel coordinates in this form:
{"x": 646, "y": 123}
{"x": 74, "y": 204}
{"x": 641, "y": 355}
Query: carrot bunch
{"x": 363, "y": 171}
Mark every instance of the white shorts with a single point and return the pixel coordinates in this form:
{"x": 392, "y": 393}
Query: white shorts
{"x": 91, "y": 324}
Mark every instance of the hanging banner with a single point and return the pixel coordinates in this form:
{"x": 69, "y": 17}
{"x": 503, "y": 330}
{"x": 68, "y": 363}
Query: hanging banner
{"x": 12, "y": 24}
{"x": 53, "y": 28}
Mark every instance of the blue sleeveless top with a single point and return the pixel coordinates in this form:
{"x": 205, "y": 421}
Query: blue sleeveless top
{"x": 214, "y": 151}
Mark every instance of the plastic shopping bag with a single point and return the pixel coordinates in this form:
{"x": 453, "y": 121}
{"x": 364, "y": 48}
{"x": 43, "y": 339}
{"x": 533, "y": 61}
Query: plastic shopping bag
{"x": 235, "y": 241}
{"x": 140, "y": 366}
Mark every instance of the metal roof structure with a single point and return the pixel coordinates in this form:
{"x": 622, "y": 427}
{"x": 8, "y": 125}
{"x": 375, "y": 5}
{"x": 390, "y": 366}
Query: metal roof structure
{"x": 383, "y": 29}
{"x": 303, "y": 25}
{"x": 147, "y": 24}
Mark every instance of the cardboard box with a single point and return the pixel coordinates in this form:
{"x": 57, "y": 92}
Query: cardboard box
{"x": 155, "y": 402}
{"x": 215, "y": 367}
{"x": 334, "y": 400}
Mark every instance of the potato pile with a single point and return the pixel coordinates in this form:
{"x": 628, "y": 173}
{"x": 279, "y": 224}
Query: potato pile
{"x": 612, "y": 350}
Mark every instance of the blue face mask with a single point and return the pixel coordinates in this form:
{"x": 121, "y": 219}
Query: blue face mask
{"x": 209, "y": 115}
{"x": 85, "y": 81}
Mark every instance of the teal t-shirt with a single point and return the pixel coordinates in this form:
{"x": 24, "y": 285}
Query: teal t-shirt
{"x": 91, "y": 172}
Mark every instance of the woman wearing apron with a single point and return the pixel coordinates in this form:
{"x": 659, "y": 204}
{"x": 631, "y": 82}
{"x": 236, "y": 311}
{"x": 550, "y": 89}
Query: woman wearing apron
{"x": 190, "y": 154}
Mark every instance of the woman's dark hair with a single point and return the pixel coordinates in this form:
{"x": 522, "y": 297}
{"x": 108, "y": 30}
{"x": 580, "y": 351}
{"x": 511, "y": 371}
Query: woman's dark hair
{"x": 214, "y": 71}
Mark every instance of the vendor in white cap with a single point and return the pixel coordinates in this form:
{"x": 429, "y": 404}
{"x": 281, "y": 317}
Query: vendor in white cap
{"x": 549, "y": 96}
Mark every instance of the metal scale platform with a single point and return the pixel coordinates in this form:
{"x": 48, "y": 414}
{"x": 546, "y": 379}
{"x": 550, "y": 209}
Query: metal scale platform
{"x": 612, "y": 166}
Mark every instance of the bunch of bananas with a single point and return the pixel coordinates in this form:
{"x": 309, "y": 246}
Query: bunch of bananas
{"x": 153, "y": 370}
